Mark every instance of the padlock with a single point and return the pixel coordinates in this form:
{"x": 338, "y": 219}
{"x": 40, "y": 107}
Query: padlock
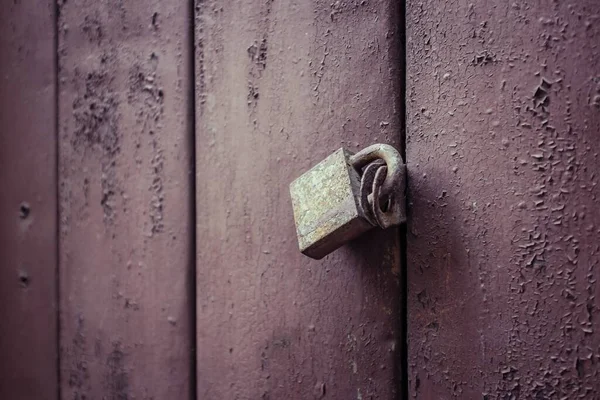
{"x": 346, "y": 195}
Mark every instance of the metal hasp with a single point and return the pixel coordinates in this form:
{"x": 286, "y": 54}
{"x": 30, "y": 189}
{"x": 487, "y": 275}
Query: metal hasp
{"x": 346, "y": 195}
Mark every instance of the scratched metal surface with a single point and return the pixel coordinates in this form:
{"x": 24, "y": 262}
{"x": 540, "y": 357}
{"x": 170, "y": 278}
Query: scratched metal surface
{"x": 280, "y": 86}
{"x": 504, "y": 230}
{"x": 125, "y": 199}
{"x": 28, "y": 225}
{"x": 325, "y": 204}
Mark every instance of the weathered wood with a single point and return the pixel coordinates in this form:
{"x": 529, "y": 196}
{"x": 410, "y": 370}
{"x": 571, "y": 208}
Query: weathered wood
{"x": 125, "y": 199}
{"x": 281, "y": 85}
{"x": 28, "y": 224}
{"x": 503, "y": 238}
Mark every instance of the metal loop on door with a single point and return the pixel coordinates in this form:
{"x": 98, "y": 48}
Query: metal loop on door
{"x": 382, "y": 184}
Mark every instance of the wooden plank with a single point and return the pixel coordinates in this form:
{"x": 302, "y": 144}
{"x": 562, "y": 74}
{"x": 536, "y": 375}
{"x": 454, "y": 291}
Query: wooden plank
{"x": 125, "y": 199}
{"x": 503, "y": 249}
{"x": 281, "y": 85}
{"x": 28, "y": 224}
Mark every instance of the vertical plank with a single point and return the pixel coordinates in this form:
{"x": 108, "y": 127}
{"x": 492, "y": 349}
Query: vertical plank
{"x": 503, "y": 238}
{"x": 281, "y": 85}
{"x": 125, "y": 199}
{"x": 28, "y": 224}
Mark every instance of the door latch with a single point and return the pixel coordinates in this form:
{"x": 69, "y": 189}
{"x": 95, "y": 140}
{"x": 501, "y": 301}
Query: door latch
{"x": 346, "y": 195}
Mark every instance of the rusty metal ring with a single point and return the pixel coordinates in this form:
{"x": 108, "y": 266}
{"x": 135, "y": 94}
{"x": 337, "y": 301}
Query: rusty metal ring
{"x": 394, "y": 212}
{"x": 366, "y": 188}
{"x": 382, "y": 182}
{"x": 392, "y": 159}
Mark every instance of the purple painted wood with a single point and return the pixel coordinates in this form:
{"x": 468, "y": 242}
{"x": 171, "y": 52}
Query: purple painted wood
{"x": 28, "y": 224}
{"x": 281, "y": 85}
{"x": 125, "y": 199}
{"x": 503, "y": 239}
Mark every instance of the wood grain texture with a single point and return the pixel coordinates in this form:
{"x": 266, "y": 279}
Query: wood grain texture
{"x": 125, "y": 199}
{"x": 28, "y": 223}
{"x": 281, "y": 85}
{"x": 503, "y": 137}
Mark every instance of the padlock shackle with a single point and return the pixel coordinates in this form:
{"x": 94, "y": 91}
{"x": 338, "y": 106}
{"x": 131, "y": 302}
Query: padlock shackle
{"x": 389, "y": 155}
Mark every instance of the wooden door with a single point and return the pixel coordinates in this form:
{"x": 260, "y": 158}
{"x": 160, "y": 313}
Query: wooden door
{"x": 96, "y": 277}
{"x": 149, "y": 248}
{"x": 279, "y": 86}
{"x": 28, "y": 202}
{"x": 125, "y": 200}
{"x": 503, "y": 136}
{"x": 148, "y": 242}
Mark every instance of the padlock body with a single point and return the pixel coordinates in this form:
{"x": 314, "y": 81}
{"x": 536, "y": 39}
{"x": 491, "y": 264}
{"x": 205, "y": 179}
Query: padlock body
{"x": 326, "y": 206}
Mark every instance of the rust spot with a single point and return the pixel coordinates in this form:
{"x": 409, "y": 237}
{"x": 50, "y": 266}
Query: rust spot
{"x": 92, "y": 29}
{"x": 79, "y": 374}
{"x": 117, "y": 380}
{"x": 258, "y": 53}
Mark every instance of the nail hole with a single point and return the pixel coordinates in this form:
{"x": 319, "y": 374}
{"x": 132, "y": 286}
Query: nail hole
{"x": 24, "y": 279}
{"x": 24, "y": 210}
